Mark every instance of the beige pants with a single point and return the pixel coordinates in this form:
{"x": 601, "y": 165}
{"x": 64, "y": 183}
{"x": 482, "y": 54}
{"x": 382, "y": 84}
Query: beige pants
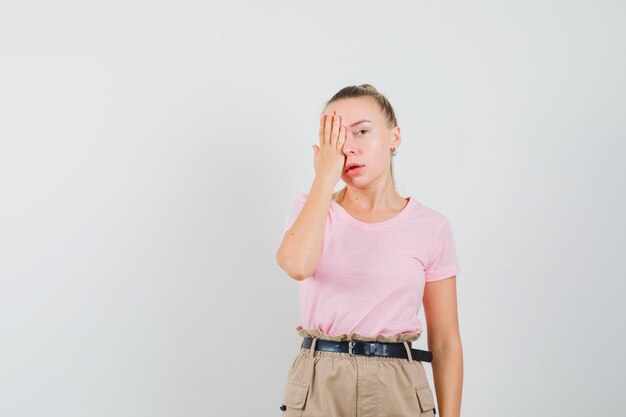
{"x": 337, "y": 384}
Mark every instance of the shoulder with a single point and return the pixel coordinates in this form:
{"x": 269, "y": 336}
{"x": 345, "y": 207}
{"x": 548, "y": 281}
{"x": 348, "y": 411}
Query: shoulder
{"x": 429, "y": 212}
{"x": 429, "y": 217}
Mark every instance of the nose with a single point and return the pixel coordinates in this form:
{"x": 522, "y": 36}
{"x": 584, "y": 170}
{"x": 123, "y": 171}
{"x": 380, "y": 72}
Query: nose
{"x": 348, "y": 144}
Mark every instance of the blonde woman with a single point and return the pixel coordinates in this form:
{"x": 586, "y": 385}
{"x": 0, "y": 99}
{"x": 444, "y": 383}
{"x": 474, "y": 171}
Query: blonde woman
{"x": 366, "y": 259}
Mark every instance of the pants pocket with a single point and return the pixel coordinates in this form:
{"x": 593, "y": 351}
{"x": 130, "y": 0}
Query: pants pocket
{"x": 294, "y": 399}
{"x": 426, "y": 400}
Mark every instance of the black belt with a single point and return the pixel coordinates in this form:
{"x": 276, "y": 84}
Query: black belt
{"x": 356, "y": 347}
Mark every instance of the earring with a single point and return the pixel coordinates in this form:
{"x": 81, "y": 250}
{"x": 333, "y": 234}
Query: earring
{"x": 393, "y": 151}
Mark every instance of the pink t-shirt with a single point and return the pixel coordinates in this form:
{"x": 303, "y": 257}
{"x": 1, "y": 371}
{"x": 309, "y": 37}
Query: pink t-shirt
{"x": 370, "y": 277}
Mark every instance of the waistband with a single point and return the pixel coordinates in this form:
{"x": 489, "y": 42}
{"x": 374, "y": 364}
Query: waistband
{"x": 354, "y": 347}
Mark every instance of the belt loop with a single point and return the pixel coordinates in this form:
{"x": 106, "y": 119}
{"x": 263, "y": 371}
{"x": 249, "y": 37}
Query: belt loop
{"x": 312, "y": 348}
{"x": 408, "y": 351}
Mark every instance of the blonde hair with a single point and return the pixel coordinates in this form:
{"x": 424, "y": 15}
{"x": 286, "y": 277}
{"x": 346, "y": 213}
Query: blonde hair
{"x": 368, "y": 90}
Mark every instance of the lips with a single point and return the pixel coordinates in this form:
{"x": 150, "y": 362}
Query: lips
{"x": 351, "y": 165}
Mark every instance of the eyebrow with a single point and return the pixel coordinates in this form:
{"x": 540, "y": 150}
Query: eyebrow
{"x": 359, "y": 122}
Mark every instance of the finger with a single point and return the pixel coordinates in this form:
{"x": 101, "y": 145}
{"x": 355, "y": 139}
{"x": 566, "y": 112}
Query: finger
{"x": 335, "y": 131}
{"x": 340, "y": 139}
{"x": 327, "y": 128}
{"x": 322, "y": 122}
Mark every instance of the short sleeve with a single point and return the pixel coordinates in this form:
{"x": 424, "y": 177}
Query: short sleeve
{"x": 443, "y": 263}
{"x": 296, "y": 206}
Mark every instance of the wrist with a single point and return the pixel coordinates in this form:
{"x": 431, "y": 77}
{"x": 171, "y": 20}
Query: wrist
{"x": 325, "y": 183}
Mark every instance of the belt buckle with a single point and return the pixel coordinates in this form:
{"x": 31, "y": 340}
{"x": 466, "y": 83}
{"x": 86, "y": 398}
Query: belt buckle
{"x": 350, "y": 347}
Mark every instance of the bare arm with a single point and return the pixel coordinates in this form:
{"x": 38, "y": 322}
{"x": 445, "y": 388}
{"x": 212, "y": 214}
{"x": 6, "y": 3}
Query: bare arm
{"x": 444, "y": 340}
{"x": 301, "y": 247}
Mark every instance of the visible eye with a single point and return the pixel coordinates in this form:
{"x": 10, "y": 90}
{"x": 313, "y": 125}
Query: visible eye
{"x": 362, "y": 130}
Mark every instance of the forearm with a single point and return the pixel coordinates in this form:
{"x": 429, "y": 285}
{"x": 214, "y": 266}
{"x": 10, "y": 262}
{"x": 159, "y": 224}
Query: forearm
{"x": 302, "y": 244}
{"x": 447, "y": 368}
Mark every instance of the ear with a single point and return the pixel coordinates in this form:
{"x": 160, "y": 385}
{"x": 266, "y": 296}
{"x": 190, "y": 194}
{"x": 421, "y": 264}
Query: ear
{"x": 395, "y": 138}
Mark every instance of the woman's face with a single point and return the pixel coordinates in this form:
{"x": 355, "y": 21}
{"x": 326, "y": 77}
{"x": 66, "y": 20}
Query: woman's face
{"x": 368, "y": 140}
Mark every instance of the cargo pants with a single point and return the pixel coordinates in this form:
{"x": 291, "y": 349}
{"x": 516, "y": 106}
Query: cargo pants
{"x": 338, "y": 384}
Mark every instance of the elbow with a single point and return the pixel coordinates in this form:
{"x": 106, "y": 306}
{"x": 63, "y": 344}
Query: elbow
{"x": 292, "y": 267}
{"x": 448, "y": 343}
{"x": 298, "y": 276}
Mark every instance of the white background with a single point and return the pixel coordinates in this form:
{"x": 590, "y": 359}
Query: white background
{"x": 149, "y": 152}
